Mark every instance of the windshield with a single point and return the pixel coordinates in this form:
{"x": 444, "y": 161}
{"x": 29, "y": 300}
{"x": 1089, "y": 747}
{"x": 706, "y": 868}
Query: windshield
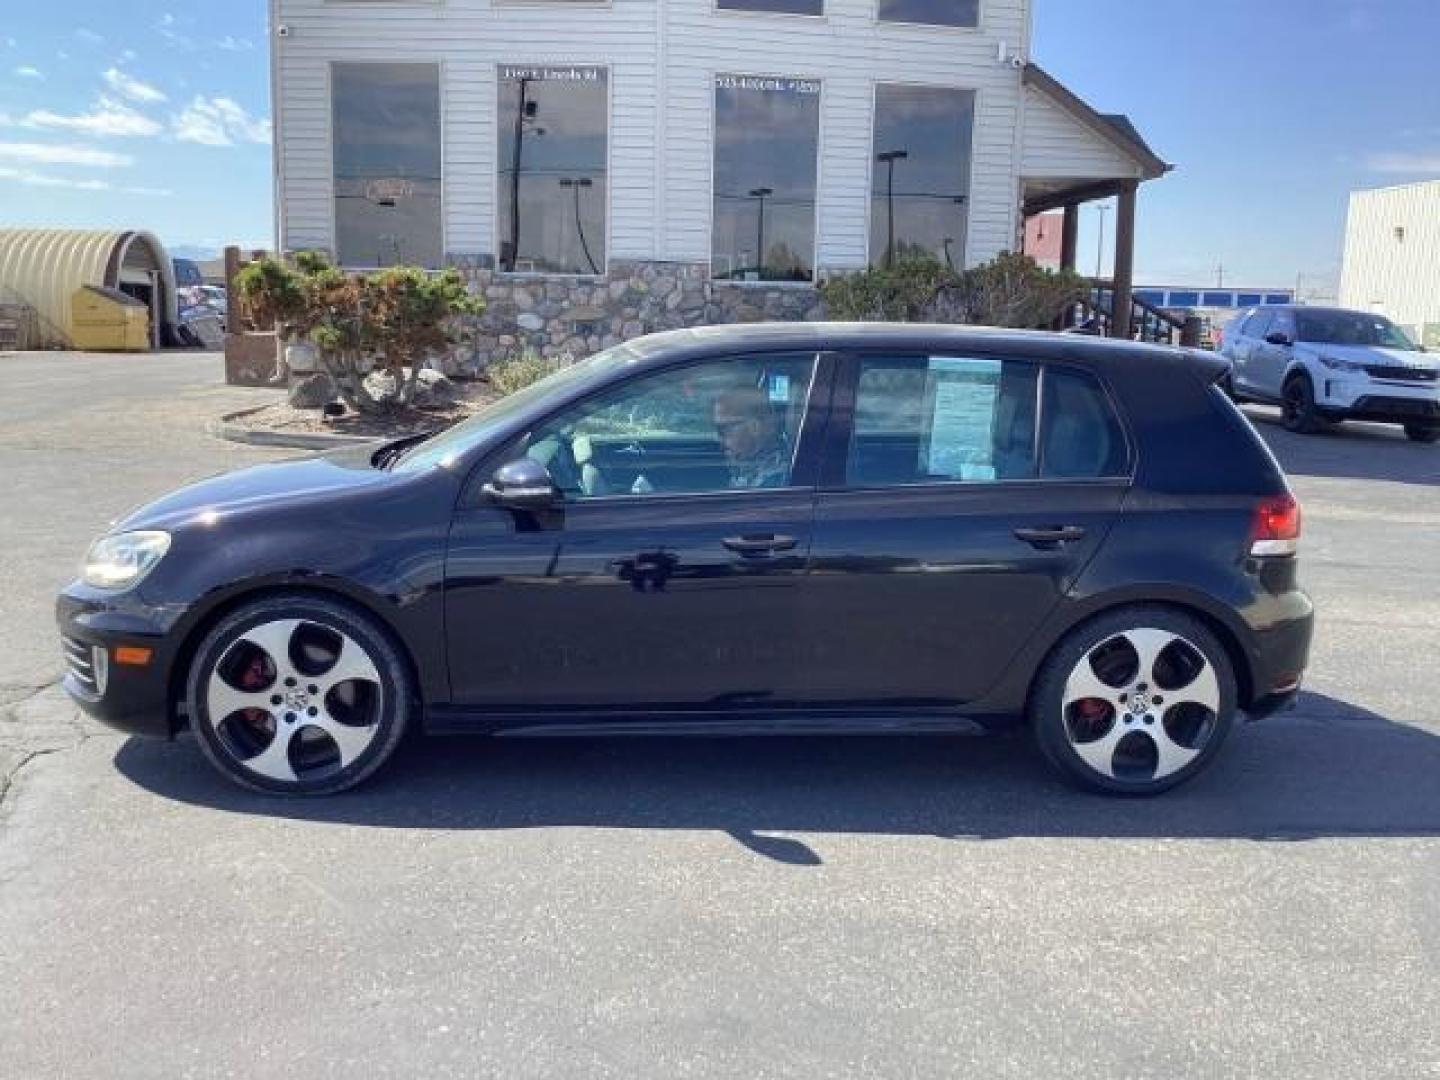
{"x": 1350, "y": 328}
{"x": 456, "y": 440}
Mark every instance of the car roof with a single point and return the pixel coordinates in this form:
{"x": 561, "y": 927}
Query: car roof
{"x": 1101, "y": 353}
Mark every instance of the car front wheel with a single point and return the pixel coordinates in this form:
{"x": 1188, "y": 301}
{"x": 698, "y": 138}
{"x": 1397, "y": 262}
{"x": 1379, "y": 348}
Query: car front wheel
{"x": 1134, "y": 702}
{"x": 298, "y": 696}
{"x": 1297, "y": 407}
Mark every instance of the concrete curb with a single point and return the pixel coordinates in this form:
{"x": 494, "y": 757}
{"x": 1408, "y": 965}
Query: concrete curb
{"x": 231, "y": 428}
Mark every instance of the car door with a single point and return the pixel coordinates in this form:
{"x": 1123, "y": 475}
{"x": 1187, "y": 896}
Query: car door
{"x": 667, "y": 575}
{"x": 1271, "y": 360}
{"x": 1250, "y": 336}
{"x": 952, "y": 518}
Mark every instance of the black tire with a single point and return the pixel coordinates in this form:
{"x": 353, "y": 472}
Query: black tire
{"x": 1423, "y": 433}
{"x": 392, "y": 714}
{"x": 1297, "y": 407}
{"x": 1048, "y": 716}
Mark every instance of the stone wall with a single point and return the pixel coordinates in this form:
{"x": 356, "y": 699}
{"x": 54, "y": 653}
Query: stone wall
{"x": 581, "y": 315}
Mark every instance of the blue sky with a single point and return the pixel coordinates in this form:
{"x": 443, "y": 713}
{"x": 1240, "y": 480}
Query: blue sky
{"x": 154, "y": 114}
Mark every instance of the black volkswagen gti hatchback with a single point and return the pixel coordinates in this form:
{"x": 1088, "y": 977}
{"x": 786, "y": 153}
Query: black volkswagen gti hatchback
{"x": 759, "y": 530}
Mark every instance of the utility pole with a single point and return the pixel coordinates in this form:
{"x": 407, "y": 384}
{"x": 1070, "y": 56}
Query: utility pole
{"x": 889, "y": 157}
{"x": 1220, "y": 276}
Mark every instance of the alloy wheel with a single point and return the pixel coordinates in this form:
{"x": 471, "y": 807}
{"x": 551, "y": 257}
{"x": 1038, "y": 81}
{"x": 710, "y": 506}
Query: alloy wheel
{"x": 1141, "y": 706}
{"x": 293, "y": 699}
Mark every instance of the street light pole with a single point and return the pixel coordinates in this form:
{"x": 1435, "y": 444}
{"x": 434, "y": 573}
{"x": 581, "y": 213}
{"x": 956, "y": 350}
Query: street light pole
{"x": 578, "y": 182}
{"x": 889, "y": 157}
{"x": 760, "y": 193}
{"x": 1103, "y": 208}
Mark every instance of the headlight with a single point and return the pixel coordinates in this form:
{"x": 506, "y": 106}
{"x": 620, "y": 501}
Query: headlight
{"x": 1334, "y": 363}
{"x": 118, "y": 562}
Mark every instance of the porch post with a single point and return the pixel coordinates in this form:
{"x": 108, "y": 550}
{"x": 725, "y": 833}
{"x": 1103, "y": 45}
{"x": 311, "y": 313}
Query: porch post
{"x": 1070, "y": 237}
{"x": 1124, "y": 294}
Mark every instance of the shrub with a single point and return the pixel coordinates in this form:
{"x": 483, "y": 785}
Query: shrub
{"x": 1012, "y": 291}
{"x": 394, "y": 320}
{"x": 518, "y": 372}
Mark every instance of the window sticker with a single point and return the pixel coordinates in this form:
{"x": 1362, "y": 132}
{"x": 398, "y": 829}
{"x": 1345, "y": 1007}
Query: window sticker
{"x": 964, "y": 394}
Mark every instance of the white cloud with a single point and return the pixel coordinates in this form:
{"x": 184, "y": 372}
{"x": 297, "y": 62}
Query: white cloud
{"x": 34, "y": 179}
{"x": 234, "y": 44}
{"x": 127, "y": 56}
{"x": 25, "y": 71}
{"x": 219, "y": 121}
{"x": 165, "y": 27}
{"x": 1421, "y": 163}
{"x": 53, "y": 154}
{"x": 86, "y": 34}
{"x": 108, "y": 118}
{"x": 127, "y": 86}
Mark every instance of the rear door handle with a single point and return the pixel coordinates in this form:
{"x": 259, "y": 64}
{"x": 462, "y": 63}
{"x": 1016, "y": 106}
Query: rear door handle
{"x": 759, "y": 545}
{"x": 1055, "y": 536}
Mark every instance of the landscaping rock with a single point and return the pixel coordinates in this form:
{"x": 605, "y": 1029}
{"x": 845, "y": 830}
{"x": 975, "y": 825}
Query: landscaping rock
{"x": 434, "y": 388}
{"x": 312, "y": 391}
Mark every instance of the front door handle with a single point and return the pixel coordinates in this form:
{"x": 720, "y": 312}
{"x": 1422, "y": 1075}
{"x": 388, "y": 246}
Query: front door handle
{"x": 759, "y": 545}
{"x": 1051, "y": 538}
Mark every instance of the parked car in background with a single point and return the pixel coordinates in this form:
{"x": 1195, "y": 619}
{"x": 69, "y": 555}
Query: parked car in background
{"x": 1326, "y": 365}
{"x": 779, "y": 530}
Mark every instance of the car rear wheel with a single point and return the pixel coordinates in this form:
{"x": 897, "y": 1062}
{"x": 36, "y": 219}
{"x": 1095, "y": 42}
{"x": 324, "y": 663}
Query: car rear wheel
{"x": 1423, "y": 433}
{"x": 298, "y": 696}
{"x": 1297, "y": 407}
{"x": 1134, "y": 702}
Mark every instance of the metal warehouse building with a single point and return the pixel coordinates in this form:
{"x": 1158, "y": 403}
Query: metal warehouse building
{"x": 1392, "y": 257}
{"x": 43, "y": 269}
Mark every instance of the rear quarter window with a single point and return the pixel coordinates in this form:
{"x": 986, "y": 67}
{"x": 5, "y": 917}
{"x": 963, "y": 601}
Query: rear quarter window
{"x": 1081, "y": 437}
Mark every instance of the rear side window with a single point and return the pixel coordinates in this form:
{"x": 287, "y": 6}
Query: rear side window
{"x": 930, "y": 420}
{"x": 938, "y": 420}
{"x": 1081, "y": 438}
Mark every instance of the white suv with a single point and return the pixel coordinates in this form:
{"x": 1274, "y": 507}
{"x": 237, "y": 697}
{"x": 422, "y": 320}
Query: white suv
{"x": 1325, "y": 365}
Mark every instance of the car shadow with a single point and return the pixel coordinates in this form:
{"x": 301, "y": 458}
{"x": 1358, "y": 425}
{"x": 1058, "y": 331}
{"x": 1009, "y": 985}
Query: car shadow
{"x": 1349, "y": 451}
{"x": 1326, "y": 769}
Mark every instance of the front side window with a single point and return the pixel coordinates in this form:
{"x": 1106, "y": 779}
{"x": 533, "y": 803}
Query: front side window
{"x": 931, "y": 12}
{"x": 386, "y": 135}
{"x": 774, "y": 7}
{"x": 729, "y": 425}
{"x": 552, "y": 174}
{"x": 919, "y": 199}
{"x": 767, "y": 141}
{"x": 929, "y": 420}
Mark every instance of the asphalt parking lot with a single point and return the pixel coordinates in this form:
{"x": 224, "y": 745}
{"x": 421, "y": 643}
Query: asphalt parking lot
{"x": 732, "y": 908}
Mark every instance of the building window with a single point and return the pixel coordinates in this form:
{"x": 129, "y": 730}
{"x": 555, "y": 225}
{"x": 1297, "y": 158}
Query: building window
{"x": 964, "y": 13}
{"x": 774, "y": 7}
{"x": 920, "y": 187}
{"x": 386, "y": 133}
{"x": 767, "y": 141}
{"x": 553, "y": 192}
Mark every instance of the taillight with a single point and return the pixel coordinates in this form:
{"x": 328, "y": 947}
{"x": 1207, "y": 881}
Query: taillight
{"x": 1276, "y": 530}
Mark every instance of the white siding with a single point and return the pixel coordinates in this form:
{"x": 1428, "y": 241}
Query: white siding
{"x": 1058, "y": 146}
{"x": 667, "y": 53}
{"x": 1397, "y": 278}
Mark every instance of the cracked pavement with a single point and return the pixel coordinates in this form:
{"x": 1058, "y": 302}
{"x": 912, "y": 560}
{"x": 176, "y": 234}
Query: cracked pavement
{"x": 730, "y": 908}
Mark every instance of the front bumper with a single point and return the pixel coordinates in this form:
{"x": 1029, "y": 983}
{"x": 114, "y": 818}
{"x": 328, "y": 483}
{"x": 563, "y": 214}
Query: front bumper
{"x": 133, "y": 698}
{"x": 1385, "y": 401}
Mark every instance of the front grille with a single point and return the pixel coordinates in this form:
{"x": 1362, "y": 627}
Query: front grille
{"x": 1404, "y": 374}
{"x": 1406, "y": 408}
{"x": 80, "y": 659}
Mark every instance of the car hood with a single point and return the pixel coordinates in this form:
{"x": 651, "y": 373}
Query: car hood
{"x": 262, "y": 485}
{"x": 1374, "y": 356}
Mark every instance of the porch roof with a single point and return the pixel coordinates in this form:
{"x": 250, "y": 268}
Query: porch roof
{"x": 1074, "y": 153}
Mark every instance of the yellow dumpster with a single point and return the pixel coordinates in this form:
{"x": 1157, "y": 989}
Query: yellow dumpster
{"x": 108, "y": 320}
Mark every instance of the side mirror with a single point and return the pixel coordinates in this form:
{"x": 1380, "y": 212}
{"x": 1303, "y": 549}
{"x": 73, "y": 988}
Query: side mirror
{"x": 523, "y": 484}
{"x": 1276, "y": 337}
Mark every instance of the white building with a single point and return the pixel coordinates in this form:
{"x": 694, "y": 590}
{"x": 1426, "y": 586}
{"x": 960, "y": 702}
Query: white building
{"x": 603, "y": 167}
{"x": 1392, "y": 257}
